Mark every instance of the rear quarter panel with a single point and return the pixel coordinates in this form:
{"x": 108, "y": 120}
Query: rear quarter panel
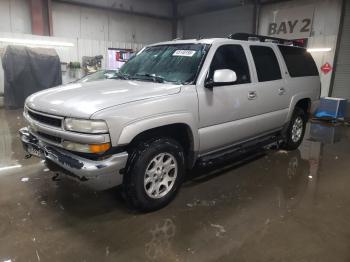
{"x": 299, "y": 87}
{"x": 303, "y": 87}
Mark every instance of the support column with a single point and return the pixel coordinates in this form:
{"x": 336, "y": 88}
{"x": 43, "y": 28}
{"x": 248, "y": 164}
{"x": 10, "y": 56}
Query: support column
{"x": 174, "y": 19}
{"x": 49, "y": 16}
{"x": 256, "y": 16}
{"x": 36, "y": 8}
{"x": 41, "y": 17}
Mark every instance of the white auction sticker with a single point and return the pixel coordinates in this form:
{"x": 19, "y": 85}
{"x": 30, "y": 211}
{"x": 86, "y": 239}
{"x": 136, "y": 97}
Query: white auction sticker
{"x": 188, "y": 53}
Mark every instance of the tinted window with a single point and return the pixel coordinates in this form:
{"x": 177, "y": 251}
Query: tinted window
{"x": 231, "y": 57}
{"x": 266, "y": 63}
{"x": 299, "y": 62}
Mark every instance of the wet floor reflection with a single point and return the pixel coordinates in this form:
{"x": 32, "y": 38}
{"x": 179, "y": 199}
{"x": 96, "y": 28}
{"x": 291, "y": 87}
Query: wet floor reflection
{"x": 270, "y": 206}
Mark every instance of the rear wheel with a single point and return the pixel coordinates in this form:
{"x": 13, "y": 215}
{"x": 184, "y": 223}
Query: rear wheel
{"x": 154, "y": 173}
{"x": 296, "y": 130}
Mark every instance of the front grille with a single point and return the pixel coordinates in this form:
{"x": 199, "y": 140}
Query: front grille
{"x": 45, "y": 119}
{"x": 54, "y": 139}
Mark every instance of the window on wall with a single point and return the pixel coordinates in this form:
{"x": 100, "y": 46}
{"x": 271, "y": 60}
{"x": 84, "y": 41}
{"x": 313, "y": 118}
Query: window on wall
{"x": 231, "y": 57}
{"x": 266, "y": 63}
{"x": 299, "y": 62}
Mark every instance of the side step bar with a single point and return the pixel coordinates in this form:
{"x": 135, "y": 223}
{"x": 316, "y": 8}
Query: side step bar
{"x": 265, "y": 142}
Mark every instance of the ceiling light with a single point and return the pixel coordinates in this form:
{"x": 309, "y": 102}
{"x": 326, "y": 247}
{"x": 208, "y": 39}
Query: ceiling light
{"x": 35, "y": 42}
{"x": 323, "y": 49}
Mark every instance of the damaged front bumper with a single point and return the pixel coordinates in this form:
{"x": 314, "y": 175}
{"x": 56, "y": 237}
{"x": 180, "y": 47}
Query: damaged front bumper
{"x": 101, "y": 174}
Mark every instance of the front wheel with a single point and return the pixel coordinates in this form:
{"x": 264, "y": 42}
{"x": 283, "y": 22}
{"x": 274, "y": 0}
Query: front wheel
{"x": 296, "y": 130}
{"x": 154, "y": 173}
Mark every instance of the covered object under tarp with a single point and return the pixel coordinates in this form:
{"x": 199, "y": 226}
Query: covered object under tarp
{"x": 28, "y": 70}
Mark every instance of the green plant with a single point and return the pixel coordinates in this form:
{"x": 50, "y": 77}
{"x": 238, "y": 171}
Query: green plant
{"x": 74, "y": 65}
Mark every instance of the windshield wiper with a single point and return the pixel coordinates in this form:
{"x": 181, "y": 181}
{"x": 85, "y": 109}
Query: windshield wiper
{"x": 121, "y": 76}
{"x": 153, "y": 77}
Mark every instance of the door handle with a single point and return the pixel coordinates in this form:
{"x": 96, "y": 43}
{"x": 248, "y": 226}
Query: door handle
{"x": 252, "y": 95}
{"x": 281, "y": 91}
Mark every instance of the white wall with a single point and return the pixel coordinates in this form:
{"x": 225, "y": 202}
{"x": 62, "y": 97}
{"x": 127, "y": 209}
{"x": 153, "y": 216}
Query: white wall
{"x": 74, "y": 21}
{"x": 151, "y": 7}
{"x": 91, "y": 30}
{"x": 218, "y": 23}
{"x": 324, "y": 30}
{"x": 82, "y": 47}
{"x": 15, "y": 16}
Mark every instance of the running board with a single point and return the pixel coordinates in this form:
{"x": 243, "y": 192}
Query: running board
{"x": 265, "y": 142}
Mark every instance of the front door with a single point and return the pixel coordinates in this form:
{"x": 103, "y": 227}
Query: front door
{"x": 225, "y": 111}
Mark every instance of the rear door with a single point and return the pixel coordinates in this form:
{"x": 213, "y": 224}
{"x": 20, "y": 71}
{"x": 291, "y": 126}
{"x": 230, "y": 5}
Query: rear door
{"x": 273, "y": 91}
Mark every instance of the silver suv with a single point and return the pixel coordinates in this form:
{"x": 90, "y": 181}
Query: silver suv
{"x": 173, "y": 105}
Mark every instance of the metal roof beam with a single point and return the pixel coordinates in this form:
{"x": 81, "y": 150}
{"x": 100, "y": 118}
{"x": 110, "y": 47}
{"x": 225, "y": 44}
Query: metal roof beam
{"x": 114, "y": 9}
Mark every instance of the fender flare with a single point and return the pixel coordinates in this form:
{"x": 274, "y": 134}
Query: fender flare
{"x": 295, "y": 99}
{"x": 131, "y": 130}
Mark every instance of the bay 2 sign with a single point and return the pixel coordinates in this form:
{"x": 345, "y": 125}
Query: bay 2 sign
{"x": 291, "y": 23}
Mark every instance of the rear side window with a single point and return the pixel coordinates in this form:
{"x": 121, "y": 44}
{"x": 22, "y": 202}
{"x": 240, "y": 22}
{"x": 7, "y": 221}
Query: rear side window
{"x": 299, "y": 62}
{"x": 231, "y": 57}
{"x": 266, "y": 63}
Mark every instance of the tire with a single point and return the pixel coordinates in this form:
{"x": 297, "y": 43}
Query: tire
{"x": 296, "y": 130}
{"x": 154, "y": 189}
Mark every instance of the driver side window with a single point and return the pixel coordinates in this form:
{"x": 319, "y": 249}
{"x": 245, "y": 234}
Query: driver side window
{"x": 231, "y": 57}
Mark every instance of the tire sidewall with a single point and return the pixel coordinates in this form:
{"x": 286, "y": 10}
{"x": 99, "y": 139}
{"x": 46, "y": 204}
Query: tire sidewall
{"x": 136, "y": 173}
{"x": 290, "y": 144}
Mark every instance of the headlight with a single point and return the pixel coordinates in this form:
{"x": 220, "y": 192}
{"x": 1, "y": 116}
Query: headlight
{"x": 86, "y": 126}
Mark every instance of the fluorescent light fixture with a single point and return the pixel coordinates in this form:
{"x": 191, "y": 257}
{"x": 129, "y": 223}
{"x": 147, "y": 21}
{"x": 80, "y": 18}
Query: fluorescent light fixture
{"x": 9, "y": 167}
{"x": 322, "y": 49}
{"x": 35, "y": 42}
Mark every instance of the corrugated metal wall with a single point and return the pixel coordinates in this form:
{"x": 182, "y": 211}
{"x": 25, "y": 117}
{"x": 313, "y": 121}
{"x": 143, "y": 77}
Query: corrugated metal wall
{"x": 71, "y": 21}
{"x": 82, "y": 47}
{"x": 341, "y": 86}
{"x": 325, "y": 27}
{"x": 91, "y": 30}
{"x": 218, "y": 23}
{"x": 15, "y": 16}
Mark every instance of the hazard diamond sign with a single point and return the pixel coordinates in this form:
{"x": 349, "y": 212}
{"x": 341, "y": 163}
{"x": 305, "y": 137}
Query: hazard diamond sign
{"x": 326, "y": 68}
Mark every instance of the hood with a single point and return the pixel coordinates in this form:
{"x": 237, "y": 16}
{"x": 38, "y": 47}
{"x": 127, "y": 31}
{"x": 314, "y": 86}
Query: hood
{"x": 81, "y": 100}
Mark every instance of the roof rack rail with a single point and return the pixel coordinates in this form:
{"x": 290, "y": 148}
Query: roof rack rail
{"x": 262, "y": 38}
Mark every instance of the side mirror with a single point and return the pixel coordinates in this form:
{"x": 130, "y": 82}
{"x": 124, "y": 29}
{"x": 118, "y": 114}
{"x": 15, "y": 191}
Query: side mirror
{"x": 222, "y": 77}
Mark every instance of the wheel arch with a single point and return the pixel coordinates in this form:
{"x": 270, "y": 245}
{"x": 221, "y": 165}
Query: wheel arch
{"x": 303, "y": 102}
{"x": 173, "y": 127}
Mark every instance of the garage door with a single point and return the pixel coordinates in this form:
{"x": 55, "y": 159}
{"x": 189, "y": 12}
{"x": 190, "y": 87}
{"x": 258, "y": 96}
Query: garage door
{"x": 341, "y": 87}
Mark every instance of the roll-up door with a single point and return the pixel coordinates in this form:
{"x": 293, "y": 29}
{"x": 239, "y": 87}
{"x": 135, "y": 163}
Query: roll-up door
{"x": 341, "y": 86}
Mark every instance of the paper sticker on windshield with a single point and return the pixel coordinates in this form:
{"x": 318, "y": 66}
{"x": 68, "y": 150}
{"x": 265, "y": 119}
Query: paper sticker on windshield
{"x": 188, "y": 53}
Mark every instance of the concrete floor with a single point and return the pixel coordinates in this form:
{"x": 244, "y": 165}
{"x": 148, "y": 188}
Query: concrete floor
{"x": 277, "y": 207}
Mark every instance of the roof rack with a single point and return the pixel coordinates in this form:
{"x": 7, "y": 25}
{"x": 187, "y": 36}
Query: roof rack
{"x": 262, "y": 38}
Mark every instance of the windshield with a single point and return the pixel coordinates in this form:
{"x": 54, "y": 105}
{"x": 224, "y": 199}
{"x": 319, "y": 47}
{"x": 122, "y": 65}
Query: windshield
{"x": 99, "y": 75}
{"x": 177, "y": 63}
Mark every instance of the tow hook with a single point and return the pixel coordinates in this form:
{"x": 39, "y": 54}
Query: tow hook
{"x": 27, "y": 156}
